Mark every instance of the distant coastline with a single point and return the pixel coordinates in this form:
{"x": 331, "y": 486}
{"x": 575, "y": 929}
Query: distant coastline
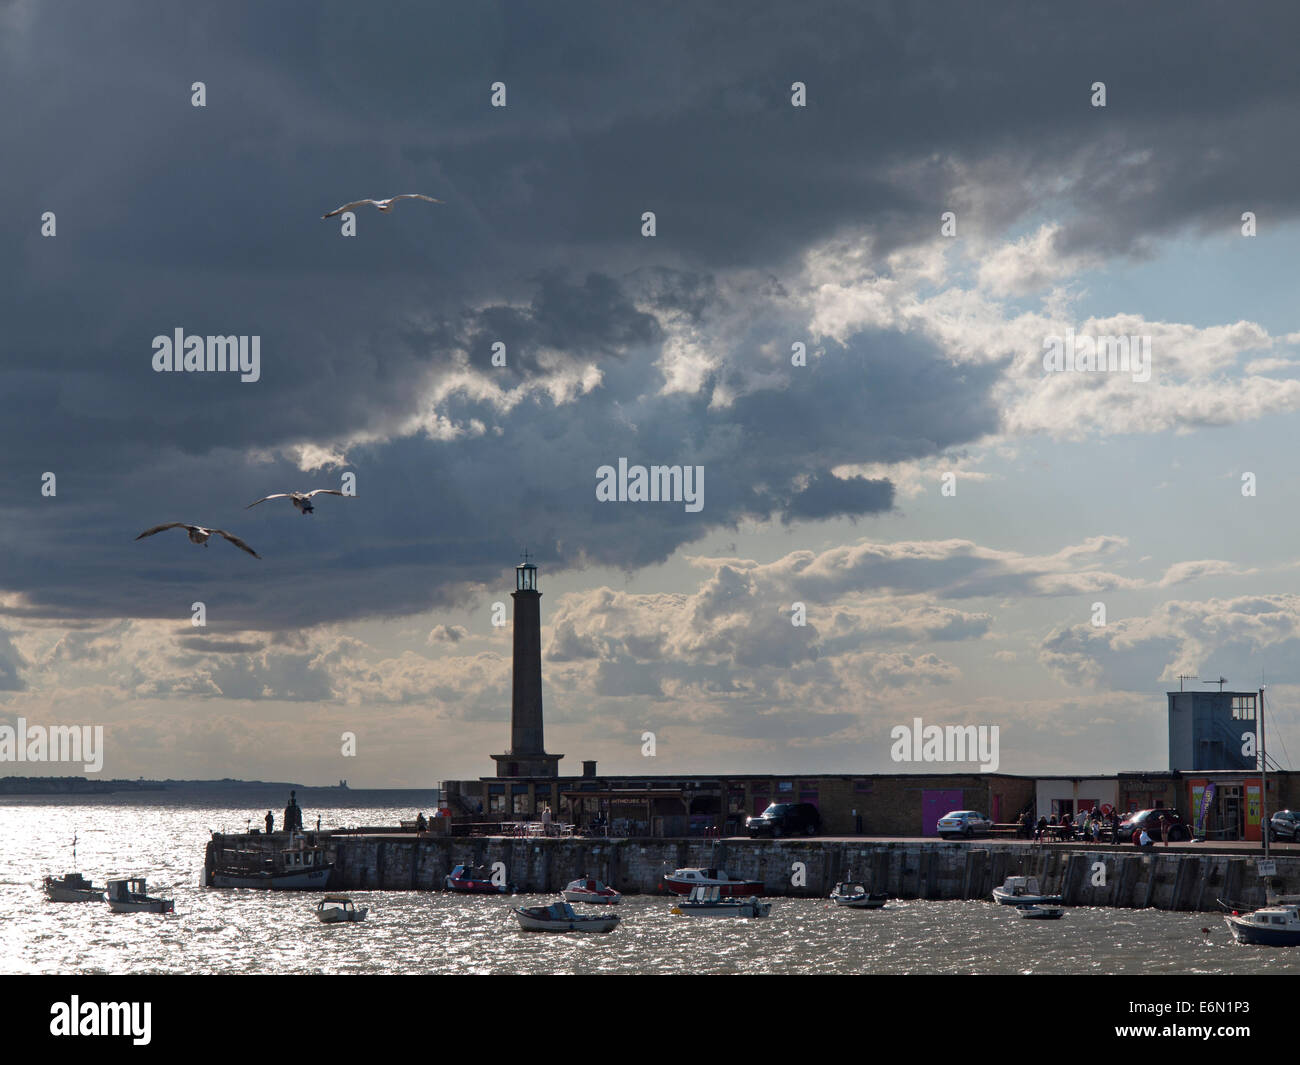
{"x": 91, "y": 786}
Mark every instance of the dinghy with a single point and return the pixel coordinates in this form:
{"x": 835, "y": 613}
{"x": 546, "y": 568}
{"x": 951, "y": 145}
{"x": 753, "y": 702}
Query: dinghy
{"x": 1041, "y": 913}
{"x": 339, "y": 909}
{"x": 855, "y": 896}
{"x": 587, "y": 889}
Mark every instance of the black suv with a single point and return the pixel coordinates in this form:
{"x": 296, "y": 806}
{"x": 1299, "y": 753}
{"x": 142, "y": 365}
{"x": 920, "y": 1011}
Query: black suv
{"x": 1285, "y": 824}
{"x": 1174, "y": 829}
{"x": 785, "y": 818}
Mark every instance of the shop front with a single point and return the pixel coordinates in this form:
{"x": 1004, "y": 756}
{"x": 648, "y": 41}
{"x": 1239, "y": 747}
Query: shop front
{"x": 1225, "y": 808}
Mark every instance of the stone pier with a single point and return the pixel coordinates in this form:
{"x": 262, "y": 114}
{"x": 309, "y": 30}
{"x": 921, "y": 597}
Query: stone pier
{"x": 1171, "y": 879}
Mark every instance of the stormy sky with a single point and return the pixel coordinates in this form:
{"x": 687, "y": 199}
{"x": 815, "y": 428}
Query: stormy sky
{"x": 969, "y": 598}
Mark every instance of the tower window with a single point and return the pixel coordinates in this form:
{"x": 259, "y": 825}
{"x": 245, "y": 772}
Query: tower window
{"x": 1243, "y": 708}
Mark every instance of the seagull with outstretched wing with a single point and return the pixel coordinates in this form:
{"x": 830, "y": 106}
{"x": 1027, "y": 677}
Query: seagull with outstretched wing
{"x": 384, "y": 205}
{"x": 199, "y": 535}
{"x": 301, "y": 500}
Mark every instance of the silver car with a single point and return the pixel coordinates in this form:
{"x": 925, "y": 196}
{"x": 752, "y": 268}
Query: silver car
{"x": 963, "y": 823}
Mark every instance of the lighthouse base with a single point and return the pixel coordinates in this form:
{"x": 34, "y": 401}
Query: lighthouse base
{"x": 528, "y": 765}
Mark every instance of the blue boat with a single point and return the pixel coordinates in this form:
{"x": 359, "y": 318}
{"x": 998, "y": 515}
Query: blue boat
{"x": 1272, "y": 926}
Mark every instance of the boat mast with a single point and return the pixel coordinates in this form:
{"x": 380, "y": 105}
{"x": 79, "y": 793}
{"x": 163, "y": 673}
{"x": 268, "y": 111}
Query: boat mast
{"x": 1263, "y": 761}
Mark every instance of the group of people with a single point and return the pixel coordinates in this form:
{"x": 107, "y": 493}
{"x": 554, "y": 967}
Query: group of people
{"x": 292, "y": 817}
{"x": 1086, "y": 825}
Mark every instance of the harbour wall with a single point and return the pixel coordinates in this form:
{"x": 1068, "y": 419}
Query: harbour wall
{"x": 1168, "y": 879}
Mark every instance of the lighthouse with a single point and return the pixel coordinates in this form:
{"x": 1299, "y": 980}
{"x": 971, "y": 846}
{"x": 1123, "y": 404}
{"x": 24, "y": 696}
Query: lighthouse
{"x": 527, "y": 756}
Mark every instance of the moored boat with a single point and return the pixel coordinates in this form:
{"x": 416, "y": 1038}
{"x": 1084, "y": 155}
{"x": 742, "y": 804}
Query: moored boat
{"x": 684, "y": 881}
{"x": 1270, "y": 926}
{"x": 339, "y": 909}
{"x": 131, "y": 896}
{"x": 561, "y": 917}
{"x": 1023, "y": 891}
{"x": 300, "y": 868}
{"x": 708, "y": 901}
{"x": 466, "y": 878}
{"x": 855, "y": 896}
{"x": 71, "y": 887}
{"x": 588, "y": 889}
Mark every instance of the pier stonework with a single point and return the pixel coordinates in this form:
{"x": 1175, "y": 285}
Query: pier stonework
{"x": 1169, "y": 879}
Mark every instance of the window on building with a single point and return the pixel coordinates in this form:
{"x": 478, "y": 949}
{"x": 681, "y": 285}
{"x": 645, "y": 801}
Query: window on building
{"x": 1243, "y": 708}
{"x": 497, "y": 803}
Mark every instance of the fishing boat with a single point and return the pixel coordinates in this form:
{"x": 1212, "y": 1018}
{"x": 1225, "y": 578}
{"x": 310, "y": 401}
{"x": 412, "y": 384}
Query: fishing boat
{"x": 1270, "y": 926}
{"x": 684, "y": 881}
{"x": 561, "y": 917}
{"x": 339, "y": 909}
{"x": 131, "y": 896}
{"x": 1041, "y": 913}
{"x": 708, "y": 901}
{"x": 71, "y": 887}
{"x": 855, "y": 896}
{"x": 1023, "y": 891}
{"x": 466, "y": 878}
{"x": 588, "y": 889}
{"x": 297, "y": 868}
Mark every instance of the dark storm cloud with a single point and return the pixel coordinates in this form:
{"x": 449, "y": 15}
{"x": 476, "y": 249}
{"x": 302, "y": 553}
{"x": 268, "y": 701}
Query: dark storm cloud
{"x": 208, "y": 219}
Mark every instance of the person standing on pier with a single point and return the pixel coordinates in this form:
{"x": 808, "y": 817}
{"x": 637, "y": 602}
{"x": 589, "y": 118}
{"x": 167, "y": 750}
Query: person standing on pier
{"x": 270, "y": 822}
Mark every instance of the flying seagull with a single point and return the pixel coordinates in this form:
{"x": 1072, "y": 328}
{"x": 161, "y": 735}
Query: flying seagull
{"x": 199, "y": 535}
{"x": 383, "y": 205}
{"x": 301, "y": 500}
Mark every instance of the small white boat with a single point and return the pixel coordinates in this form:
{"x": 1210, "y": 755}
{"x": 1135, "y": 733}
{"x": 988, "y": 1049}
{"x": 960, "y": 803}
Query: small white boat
{"x": 130, "y": 896}
{"x": 1023, "y": 891}
{"x": 1041, "y": 913}
{"x": 1271, "y": 926}
{"x": 855, "y": 895}
{"x": 708, "y": 901}
{"x": 561, "y": 917}
{"x": 684, "y": 881}
{"x": 339, "y": 909}
{"x": 72, "y": 887}
{"x": 588, "y": 889}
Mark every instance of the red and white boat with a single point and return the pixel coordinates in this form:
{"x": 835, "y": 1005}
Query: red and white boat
{"x": 586, "y": 889}
{"x": 469, "y": 880}
{"x": 681, "y": 881}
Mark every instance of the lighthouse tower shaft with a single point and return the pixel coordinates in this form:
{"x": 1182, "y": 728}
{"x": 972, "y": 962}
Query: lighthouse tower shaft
{"x": 527, "y": 756}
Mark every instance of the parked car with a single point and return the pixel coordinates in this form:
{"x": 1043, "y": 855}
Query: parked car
{"x": 1285, "y": 824}
{"x": 963, "y": 823}
{"x": 1174, "y": 829}
{"x": 785, "y": 818}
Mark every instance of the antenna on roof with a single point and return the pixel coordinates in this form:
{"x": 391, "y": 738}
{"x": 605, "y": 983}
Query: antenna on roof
{"x": 1220, "y": 682}
{"x": 1185, "y": 676}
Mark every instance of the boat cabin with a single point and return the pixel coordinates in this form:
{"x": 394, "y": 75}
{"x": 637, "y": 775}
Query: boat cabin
{"x": 298, "y": 860}
{"x": 124, "y": 890}
{"x": 1281, "y": 916}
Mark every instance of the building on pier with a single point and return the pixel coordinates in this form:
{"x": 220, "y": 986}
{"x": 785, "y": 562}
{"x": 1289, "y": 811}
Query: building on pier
{"x": 1211, "y": 745}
